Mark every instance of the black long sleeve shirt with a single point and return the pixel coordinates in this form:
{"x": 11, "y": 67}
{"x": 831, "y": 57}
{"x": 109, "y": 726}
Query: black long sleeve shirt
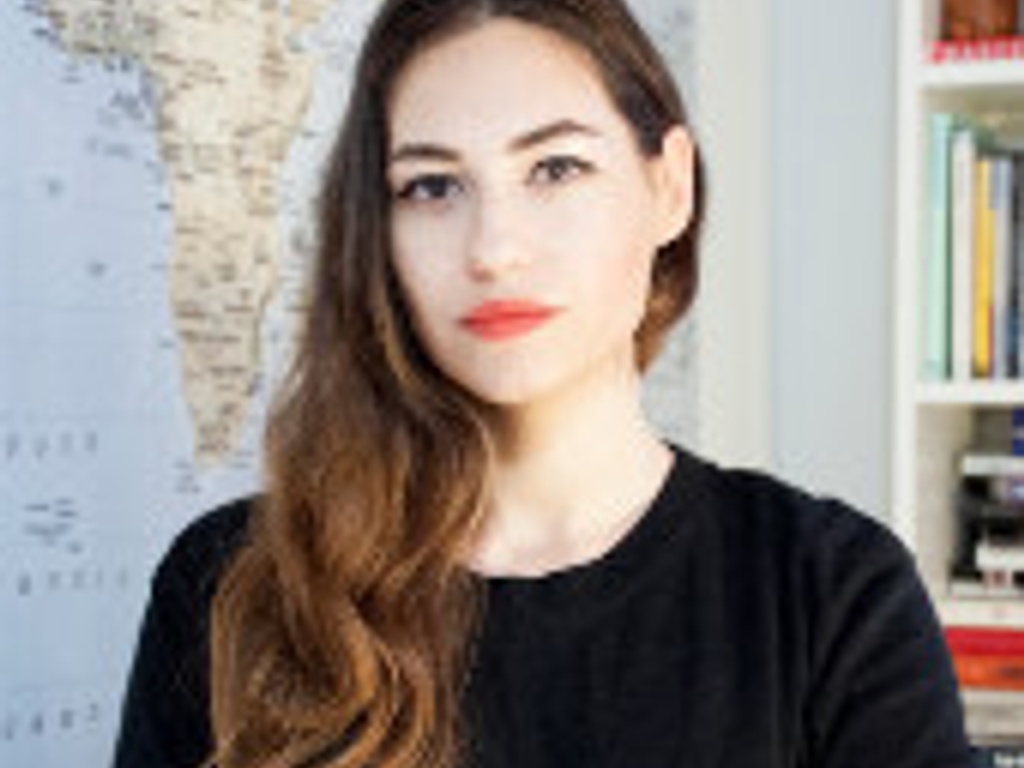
{"x": 739, "y": 624}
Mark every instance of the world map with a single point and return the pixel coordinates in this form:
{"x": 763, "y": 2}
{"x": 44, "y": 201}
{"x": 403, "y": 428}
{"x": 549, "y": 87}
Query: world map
{"x": 158, "y": 161}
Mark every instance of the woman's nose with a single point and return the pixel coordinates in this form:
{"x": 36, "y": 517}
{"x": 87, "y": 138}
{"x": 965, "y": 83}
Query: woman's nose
{"x": 497, "y": 241}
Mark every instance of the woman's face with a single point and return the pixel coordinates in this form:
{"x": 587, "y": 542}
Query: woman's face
{"x": 525, "y": 221}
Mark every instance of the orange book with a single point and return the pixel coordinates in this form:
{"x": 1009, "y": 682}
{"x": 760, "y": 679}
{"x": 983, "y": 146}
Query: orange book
{"x": 984, "y": 269}
{"x": 990, "y": 671}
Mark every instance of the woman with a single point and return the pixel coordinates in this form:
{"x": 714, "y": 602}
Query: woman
{"x": 472, "y": 548}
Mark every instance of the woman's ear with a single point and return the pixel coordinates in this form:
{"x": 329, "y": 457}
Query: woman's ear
{"x": 675, "y": 183}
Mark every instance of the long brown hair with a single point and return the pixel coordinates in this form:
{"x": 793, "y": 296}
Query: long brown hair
{"x": 342, "y": 631}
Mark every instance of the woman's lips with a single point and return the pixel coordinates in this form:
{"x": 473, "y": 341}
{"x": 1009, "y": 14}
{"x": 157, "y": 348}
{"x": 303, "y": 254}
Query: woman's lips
{"x": 498, "y": 320}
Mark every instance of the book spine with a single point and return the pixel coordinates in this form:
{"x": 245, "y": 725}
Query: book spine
{"x": 938, "y": 299}
{"x": 967, "y": 51}
{"x": 984, "y": 258}
{"x": 1001, "y": 214}
{"x": 998, "y": 757}
{"x": 999, "y": 560}
{"x": 971, "y": 587}
{"x": 964, "y": 153}
{"x": 991, "y": 464}
{"x": 999, "y": 495}
{"x": 1001, "y": 673}
{"x": 1017, "y": 248}
{"x": 982, "y": 641}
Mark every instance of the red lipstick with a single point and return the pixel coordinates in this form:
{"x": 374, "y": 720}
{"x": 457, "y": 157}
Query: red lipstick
{"x": 505, "y": 319}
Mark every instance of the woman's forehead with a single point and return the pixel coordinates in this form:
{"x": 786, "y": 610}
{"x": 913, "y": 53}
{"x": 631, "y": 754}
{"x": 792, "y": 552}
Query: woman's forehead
{"x": 495, "y": 81}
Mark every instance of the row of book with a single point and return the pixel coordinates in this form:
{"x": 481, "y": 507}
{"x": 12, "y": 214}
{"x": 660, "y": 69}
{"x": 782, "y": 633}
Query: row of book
{"x": 989, "y": 664}
{"x": 974, "y": 271}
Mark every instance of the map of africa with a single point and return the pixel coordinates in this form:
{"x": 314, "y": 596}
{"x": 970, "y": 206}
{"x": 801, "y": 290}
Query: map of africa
{"x": 158, "y": 159}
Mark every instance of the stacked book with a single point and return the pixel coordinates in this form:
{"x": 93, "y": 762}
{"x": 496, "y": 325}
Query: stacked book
{"x": 990, "y": 667}
{"x": 989, "y": 558}
{"x": 974, "y": 271}
{"x": 989, "y": 562}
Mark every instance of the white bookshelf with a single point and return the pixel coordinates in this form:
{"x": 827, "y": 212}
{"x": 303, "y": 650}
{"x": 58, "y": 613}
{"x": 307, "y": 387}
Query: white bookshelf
{"x": 933, "y": 422}
{"x": 988, "y": 76}
{"x": 975, "y": 393}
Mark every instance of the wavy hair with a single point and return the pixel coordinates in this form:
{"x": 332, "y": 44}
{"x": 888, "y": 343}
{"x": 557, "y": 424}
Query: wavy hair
{"x": 343, "y": 629}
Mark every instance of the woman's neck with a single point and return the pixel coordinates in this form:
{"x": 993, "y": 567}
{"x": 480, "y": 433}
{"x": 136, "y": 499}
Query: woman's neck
{"x": 571, "y": 476}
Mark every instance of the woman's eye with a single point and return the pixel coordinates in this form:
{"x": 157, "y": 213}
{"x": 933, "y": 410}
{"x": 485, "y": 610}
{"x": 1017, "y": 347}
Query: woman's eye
{"x": 557, "y": 169}
{"x": 428, "y": 189}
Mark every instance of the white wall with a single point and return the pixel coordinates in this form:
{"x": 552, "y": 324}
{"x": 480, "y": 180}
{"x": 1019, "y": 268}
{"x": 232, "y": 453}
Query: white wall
{"x": 733, "y": 335}
{"x": 832, "y": 123}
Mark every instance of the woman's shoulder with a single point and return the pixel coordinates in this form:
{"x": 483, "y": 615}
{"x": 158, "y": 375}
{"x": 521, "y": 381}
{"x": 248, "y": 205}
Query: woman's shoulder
{"x": 836, "y": 564}
{"x": 761, "y": 509}
{"x": 199, "y": 553}
{"x": 861, "y": 639}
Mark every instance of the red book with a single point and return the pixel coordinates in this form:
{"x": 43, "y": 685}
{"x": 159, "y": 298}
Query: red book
{"x": 962, "y": 51}
{"x": 985, "y": 641}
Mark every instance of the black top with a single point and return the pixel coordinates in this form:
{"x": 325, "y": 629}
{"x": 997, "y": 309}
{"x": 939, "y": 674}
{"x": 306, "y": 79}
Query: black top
{"x": 740, "y": 623}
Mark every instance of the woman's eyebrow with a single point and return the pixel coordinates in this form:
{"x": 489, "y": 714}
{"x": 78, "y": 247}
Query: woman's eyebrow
{"x": 548, "y": 132}
{"x": 419, "y": 151}
{"x": 554, "y": 130}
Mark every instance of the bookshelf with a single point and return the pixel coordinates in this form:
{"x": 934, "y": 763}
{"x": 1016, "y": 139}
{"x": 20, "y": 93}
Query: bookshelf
{"x": 934, "y": 421}
{"x": 980, "y": 77}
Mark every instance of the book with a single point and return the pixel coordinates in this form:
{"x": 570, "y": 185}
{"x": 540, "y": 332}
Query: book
{"x": 992, "y": 497}
{"x": 977, "y": 19}
{"x": 1017, "y": 267}
{"x": 964, "y": 154}
{"x": 967, "y": 51}
{"x": 973, "y": 588}
{"x": 998, "y": 755}
{"x": 977, "y": 641}
{"x": 989, "y": 539}
{"x": 938, "y": 295}
{"x": 1000, "y": 202}
{"x": 994, "y": 716}
{"x": 984, "y": 267}
{"x": 990, "y": 671}
{"x": 977, "y": 464}
{"x": 1000, "y": 557}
